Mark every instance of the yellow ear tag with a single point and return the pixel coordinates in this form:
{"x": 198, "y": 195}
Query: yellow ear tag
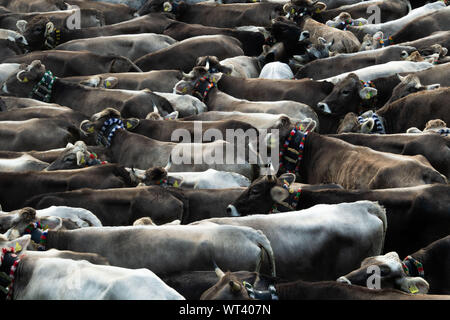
{"x": 413, "y": 289}
{"x": 108, "y": 84}
{"x": 292, "y": 11}
{"x": 166, "y": 8}
{"x": 91, "y": 130}
{"x": 176, "y": 184}
{"x": 369, "y": 95}
{"x": 82, "y": 161}
{"x": 25, "y": 79}
{"x": 18, "y": 247}
{"x": 129, "y": 125}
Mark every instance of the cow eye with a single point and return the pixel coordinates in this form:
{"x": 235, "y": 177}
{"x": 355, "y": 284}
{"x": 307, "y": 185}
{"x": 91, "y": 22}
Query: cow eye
{"x": 345, "y": 92}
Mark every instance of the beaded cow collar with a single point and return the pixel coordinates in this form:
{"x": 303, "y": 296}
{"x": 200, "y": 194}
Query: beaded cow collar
{"x": 292, "y": 201}
{"x": 291, "y": 153}
{"x": 203, "y": 86}
{"x": 379, "y": 126}
{"x": 108, "y": 130}
{"x": 43, "y": 89}
{"x": 413, "y": 267}
{"x": 9, "y": 261}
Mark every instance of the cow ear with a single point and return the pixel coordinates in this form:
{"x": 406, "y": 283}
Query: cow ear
{"x": 182, "y": 87}
{"x": 279, "y": 194}
{"x": 367, "y": 93}
{"x": 413, "y": 285}
{"x": 131, "y": 123}
{"x": 93, "y": 81}
{"x": 288, "y": 177}
{"x": 413, "y": 130}
{"x": 19, "y": 244}
{"x": 53, "y": 223}
{"x": 226, "y": 69}
{"x": 69, "y": 145}
{"x": 176, "y": 182}
{"x": 171, "y": 116}
{"x": 87, "y": 127}
{"x": 433, "y": 86}
{"x": 21, "y": 25}
{"x": 110, "y": 82}
{"x": 367, "y": 126}
{"x": 319, "y": 7}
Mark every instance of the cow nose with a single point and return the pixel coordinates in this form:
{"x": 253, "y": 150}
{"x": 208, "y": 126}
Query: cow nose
{"x": 304, "y": 35}
{"x": 323, "y": 106}
{"x": 232, "y": 211}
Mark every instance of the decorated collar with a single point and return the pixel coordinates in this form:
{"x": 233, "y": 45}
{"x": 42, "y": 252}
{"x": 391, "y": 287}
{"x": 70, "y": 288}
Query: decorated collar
{"x": 52, "y": 39}
{"x": 347, "y": 22}
{"x": 203, "y": 86}
{"x": 108, "y": 130}
{"x": 293, "y": 13}
{"x": 291, "y": 153}
{"x": 92, "y": 160}
{"x": 9, "y": 261}
{"x": 38, "y": 234}
{"x": 378, "y": 128}
{"x": 413, "y": 267}
{"x": 43, "y": 89}
{"x": 386, "y": 42}
{"x": 270, "y": 294}
{"x": 367, "y": 84}
{"x": 292, "y": 201}
{"x": 444, "y": 132}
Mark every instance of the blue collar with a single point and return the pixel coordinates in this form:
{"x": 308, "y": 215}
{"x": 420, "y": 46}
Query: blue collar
{"x": 108, "y": 130}
{"x": 378, "y": 128}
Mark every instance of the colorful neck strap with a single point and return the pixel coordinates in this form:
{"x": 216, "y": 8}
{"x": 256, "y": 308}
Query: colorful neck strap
{"x": 108, "y": 130}
{"x": 291, "y": 153}
{"x": 43, "y": 89}
{"x": 413, "y": 267}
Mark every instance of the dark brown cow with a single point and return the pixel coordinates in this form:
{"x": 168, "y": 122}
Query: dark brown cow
{"x": 184, "y": 54}
{"x": 85, "y": 100}
{"x": 218, "y": 15}
{"x": 252, "y": 42}
{"x": 76, "y": 63}
{"x": 34, "y": 31}
{"x": 229, "y": 287}
{"x": 424, "y": 26}
{"x": 21, "y": 186}
{"x": 422, "y": 207}
{"x": 427, "y": 266}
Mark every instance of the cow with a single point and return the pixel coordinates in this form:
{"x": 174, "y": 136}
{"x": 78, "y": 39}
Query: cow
{"x": 424, "y": 26}
{"x": 300, "y": 11}
{"x": 414, "y": 110}
{"x": 217, "y": 15}
{"x": 90, "y": 281}
{"x": 299, "y": 230}
{"x": 389, "y": 10}
{"x": 422, "y": 207}
{"x": 35, "y": 33}
{"x": 200, "y": 83}
{"x": 391, "y": 27}
{"x": 111, "y": 130}
{"x": 426, "y": 266}
{"x": 22, "y": 163}
{"x": 240, "y": 66}
{"x": 20, "y": 186}
{"x": 131, "y": 46}
{"x": 305, "y": 91}
{"x": 39, "y": 83}
{"x": 76, "y": 63}
{"x": 156, "y": 80}
{"x": 229, "y": 287}
{"x": 10, "y": 48}
{"x": 333, "y": 66}
{"x": 434, "y": 147}
{"x": 183, "y": 54}
{"x": 436, "y": 38}
{"x": 252, "y": 41}
{"x": 433, "y": 126}
{"x": 36, "y": 134}
{"x": 204, "y": 243}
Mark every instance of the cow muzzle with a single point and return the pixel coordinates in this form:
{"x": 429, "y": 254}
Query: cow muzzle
{"x": 324, "y": 107}
{"x": 232, "y": 211}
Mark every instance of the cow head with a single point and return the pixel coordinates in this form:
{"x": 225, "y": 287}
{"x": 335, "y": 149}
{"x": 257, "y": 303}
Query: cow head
{"x": 37, "y": 31}
{"x": 74, "y": 156}
{"x": 432, "y": 126}
{"x": 375, "y": 41}
{"x": 297, "y": 9}
{"x": 391, "y": 274}
{"x": 261, "y": 195}
{"x": 343, "y": 20}
{"x": 191, "y": 80}
{"x": 229, "y": 287}
{"x": 175, "y": 7}
{"x": 288, "y": 32}
{"x": 21, "y": 83}
{"x": 155, "y": 176}
{"x": 213, "y": 65}
{"x": 155, "y": 115}
{"x": 409, "y": 84}
{"x": 104, "y": 123}
{"x": 350, "y": 123}
{"x": 144, "y": 221}
{"x": 347, "y": 96}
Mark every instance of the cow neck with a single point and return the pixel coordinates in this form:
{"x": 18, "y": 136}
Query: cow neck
{"x": 203, "y": 87}
{"x": 310, "y": 150}
{"x": 110, "y": 128}
{"x": 291, "y": 152}
{"x": 9, "y": 263}
{"x": 52, "y": 39}
{"x": 43, "y": 90}
{"x": 413, "y": 267}
{"x": 329, "y": 122}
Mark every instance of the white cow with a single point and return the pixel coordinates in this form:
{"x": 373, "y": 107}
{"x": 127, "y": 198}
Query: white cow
{"x": 314, "y": 244}
{"x": 6, "y": 69}
{"x": 276, "y": 70}
{"x": 383, "y": 70}
{"x": 42, "y": 278}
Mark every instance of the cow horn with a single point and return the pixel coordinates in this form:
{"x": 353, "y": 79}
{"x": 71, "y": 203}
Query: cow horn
{"x": 218, "y": 271}
{"x": 18, "y": 75}
{"x": 169, "y": 163}
{"x": 207, "y": 65}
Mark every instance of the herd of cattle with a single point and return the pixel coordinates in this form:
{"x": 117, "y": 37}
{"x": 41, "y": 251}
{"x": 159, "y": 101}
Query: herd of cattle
{"x": 354, "y": 94}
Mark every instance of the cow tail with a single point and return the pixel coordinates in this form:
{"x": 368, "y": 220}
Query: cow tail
{"x": 264, "y": 244}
